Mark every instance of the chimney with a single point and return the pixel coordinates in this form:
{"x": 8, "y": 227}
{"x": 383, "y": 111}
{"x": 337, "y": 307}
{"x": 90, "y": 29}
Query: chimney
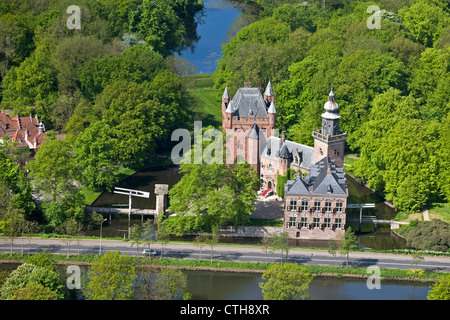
{"x": 283, "y": 136}
{"x": 41, "y": 127}
{"x": 247, "y": 84}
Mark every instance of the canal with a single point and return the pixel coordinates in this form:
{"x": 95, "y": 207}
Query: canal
{"x": 208, "y": 285}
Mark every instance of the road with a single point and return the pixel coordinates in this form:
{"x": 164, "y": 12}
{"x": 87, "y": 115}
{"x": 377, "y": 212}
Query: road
{"x": 230, "y": 253}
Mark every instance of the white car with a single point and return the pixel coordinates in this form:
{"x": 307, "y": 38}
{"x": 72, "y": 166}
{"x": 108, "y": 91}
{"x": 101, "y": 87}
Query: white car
{"x": 149, "y": 252}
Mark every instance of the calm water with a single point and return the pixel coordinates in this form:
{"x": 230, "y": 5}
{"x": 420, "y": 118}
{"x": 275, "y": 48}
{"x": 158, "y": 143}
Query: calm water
{"x": 230, "y": 286}
{"x": 215, "y": 28}
{"x": 242, "y": 286}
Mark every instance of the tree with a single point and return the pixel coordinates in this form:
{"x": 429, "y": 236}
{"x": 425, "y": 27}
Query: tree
{"x": 32, "y": 82}
{"x": 213, "y": 194}
{"x": 95, "y": 157}
{"x": 170, "y": 284}
{"x": 158, "y": 24}
{"x": 349, "y": 243}
{"x": 200, "y": 241}
{"x": 138, "y": 64}
{"x": 280, "y": 241}
{"x": 70, "y": 55}
{"x": 425, "y": 21}
{"x": 163, "y": 236}
{"x": 28, "y": 273}
{"x": 54, "y": 170}
{"x": 440, "y": 290}
{"x": 34, "y": 291}
{"x": 110, "y": 277}
{"x": 288, "y": 281}
{"x": 212, "y": 239}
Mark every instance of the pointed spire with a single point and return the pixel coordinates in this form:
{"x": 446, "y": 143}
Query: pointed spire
{"x": 229, "y": 108}
{"x": 272, "y": 108}
{"x": 269, "y": 90}
{"x": 226, "y": 95}
{"x": 331, "y": 95}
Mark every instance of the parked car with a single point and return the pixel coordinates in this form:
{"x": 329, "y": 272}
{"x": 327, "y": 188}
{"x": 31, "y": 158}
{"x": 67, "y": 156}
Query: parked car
{"x": 149, "y": 252}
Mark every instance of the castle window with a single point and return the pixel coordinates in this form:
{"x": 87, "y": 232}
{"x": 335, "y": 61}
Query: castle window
{"x": 338, "y": 222}
{"x": 303, "y": 222}
{"x": 293, "y": 205}
{"x": 336, "y": 153}
{"x": 317, "y": 206}
{"x": 316, "y": 222}
{"x": 339, "y": 206}
{"x": 292, "y": 221}
{"x": 327, "y": 222}
{"x": 328, "y": 206}
{"x": 321, "y": 151}
{"x": 304, "y": 205}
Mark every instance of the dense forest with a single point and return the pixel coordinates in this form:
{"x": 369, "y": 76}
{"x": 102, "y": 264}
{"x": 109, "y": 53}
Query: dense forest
{"x": 110, "y": 86}
{"x": 391, "y": 83}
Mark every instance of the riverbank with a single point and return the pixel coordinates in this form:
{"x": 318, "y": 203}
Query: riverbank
{"x": 320, "y": 271}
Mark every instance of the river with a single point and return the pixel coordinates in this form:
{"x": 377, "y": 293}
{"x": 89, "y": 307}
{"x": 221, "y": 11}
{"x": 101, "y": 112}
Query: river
{"x": 218, "y": 22}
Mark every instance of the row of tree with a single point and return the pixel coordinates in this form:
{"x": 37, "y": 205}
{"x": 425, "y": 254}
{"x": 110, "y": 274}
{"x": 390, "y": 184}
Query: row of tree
{"x": 390, "y": 83}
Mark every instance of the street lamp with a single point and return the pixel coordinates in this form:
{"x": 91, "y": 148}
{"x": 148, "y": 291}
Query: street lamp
{"x": 101, "y": 224}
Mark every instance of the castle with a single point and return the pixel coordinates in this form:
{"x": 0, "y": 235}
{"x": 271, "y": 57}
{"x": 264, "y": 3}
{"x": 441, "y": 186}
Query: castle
{"x": 315, "y": 200}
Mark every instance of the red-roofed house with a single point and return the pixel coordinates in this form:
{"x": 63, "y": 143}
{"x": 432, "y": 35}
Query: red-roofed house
{"x": 27, "y": 131}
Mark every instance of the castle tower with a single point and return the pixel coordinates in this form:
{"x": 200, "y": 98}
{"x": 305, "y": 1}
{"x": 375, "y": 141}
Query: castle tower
{"x": 272, "y": 112}
{"x": 225, "y": 102}
{"x": 268, "y": 94}
{"x": 329, "y": 141}
{"x": 253, "y": 148}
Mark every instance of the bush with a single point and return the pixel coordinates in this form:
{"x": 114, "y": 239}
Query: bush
{"x": 428, "y": 235}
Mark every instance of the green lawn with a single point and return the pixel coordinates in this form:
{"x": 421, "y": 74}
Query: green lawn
{"x": 440, "y": 211}
{"x": 205, "y": 100}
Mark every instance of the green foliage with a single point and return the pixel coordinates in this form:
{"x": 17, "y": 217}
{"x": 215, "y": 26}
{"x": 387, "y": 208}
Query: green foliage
{"x": 429, "y": 235}
{"x": 425, "y": 21}
{"x": 286, "y": 281}
{"x": 440, "y": 290}
{"x": 110, "y": 277}
{"x": 95, "y": 157}
{"x": 54, "y": 169}
{"x": 213, "y": 194}
{"x": 28, "y": 273}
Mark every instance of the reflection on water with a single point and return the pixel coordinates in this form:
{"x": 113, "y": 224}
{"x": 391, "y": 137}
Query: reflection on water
{"x": 206, "y": 285}
{"x": 217, "y": 19}
{"x": 143, "y": 180}
{"x": 230, "y": 286}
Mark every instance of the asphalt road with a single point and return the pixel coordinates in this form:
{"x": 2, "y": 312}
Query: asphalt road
{"x": 230, "y": 253}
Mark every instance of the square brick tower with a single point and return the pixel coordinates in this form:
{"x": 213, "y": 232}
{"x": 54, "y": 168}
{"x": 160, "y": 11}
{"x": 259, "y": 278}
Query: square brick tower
{"x": 329, "y": 141}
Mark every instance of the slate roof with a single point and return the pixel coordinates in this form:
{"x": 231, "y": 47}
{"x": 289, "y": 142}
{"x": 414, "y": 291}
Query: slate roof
{"x": 254, "y": 132}
{"x": 273, "y": 143}
{"x": 324, "y": 179}
{"x": 248, "y": 102}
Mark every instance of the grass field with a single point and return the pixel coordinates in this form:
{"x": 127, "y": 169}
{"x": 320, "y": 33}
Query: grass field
{"x": 205, "y": 100}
